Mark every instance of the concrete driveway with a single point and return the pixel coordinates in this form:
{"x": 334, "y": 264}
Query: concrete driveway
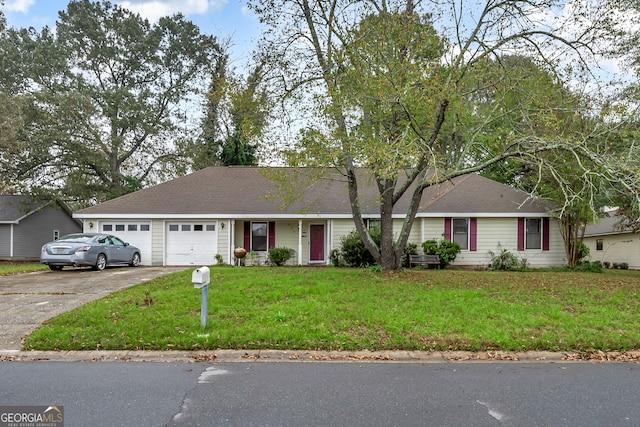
{"x": 27, "y": 300}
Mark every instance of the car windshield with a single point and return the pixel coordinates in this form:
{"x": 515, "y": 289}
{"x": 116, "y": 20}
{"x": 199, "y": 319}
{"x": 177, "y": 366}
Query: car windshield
{"x": 81, "y": 238}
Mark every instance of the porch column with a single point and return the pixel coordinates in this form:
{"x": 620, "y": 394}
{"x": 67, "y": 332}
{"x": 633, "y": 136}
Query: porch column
{"x": 299, "y": 242}
{"x": 232, "y": 242}
{"x": 329, "y": 241}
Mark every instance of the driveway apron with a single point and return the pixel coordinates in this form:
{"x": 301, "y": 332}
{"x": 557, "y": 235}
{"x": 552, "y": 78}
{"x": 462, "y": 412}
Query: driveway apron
{"x": 27, "y": 300}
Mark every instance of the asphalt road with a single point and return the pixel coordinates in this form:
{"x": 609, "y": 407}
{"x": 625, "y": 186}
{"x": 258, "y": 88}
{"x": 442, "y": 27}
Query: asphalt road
{"x": 328, "y": 393}
{"x": 27, "y": 300}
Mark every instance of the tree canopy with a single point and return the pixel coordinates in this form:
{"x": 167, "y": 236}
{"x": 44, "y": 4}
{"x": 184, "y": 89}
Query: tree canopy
{"x": 103, "y": 102}
{"x": 236, "y": 113}
{"x": 421, "y": 98}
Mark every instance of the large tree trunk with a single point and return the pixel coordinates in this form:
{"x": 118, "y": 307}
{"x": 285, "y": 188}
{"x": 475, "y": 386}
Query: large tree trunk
{"x": 388, "y": 258}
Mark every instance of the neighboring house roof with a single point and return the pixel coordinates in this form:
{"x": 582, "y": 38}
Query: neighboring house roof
{"x": 13, "y": 208}
{"x": 248, "y": 191}
{"x": 606, "y": 225}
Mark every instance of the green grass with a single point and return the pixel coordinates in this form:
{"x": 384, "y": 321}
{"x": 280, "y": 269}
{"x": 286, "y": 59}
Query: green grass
{"x": 348, "y": 309}
{"x": 7, "y": 268}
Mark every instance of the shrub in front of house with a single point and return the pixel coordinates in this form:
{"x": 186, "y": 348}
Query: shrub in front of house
{"x": 352, "y": 252}
{"x": 410, "y": 249}
{"x": 278, "y": 256}
{"x": 505, "y": 260}
{"x": 352, "y": 249}
{"x": 445, "y": 249}
{"x": 592, "y": 267}
{"x": 335, "y": 257}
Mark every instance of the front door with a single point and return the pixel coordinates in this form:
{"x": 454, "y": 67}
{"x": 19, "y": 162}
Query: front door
{"x": 316, "y": 243}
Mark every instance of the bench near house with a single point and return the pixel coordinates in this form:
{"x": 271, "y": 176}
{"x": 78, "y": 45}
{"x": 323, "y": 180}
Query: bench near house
{"x": 424, "y": 260}
{"x": 191, "y": 219}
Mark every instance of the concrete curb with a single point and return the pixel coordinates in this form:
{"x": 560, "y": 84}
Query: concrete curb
{"x": 316, "y": 356}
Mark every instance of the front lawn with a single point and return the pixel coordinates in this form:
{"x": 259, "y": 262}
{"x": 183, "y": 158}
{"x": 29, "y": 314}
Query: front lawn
{"x": 351, "y": 309}
{"x": 8, "y": 267}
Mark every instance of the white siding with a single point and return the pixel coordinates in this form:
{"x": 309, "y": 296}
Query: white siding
{"x": 495, "y": 234}
{"x": 623, "y": 247}
{"x": 157, "y": 242}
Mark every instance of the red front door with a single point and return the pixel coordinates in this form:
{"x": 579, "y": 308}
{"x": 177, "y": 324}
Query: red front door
{"x": 316, "y": 243}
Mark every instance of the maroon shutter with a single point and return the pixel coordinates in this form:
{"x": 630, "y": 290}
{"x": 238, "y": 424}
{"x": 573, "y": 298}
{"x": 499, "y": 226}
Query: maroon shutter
{"x": 473, "y": 231}
{"x": 521, "y": 234}
{"x": 545, "y": 234}
{"x": 272, "y": 234}
{"x": 247, "y": 235}
{"x": 447, "y": 228}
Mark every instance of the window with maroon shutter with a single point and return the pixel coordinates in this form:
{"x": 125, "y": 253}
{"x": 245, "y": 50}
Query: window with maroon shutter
{"x": 533, "y": 233}
{"x": 460, "y": 228}
{"x": 545, "y": 234}
{"x": 247, "y": 235}
{"x": 473, "y": 234}
{"x": 272, "y": 234}
{"x": 259, "y": 236}
{"x": 521, "y": 234}
{"x": 447, "y": 228}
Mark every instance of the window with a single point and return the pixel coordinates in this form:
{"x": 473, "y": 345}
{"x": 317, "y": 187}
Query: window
{"x": 119, "y": 227}
{"x": 198, "y": 227}
{"x": 461, "y": 232}
{"x": 173, "y": 227}
{"x": 372, "y": 223}
{"x": 533, "y": 233}
{"x": 259, "y": 236}
{"x": 144, "y": 227}
{"x": 186, "y": 227}
{"x": 132, "y": 227}
{"x": 117, "y": 242}
{"x": 599, "y": 244}
{"x": 107, "y": 227}
{"x": 211, "y": 227}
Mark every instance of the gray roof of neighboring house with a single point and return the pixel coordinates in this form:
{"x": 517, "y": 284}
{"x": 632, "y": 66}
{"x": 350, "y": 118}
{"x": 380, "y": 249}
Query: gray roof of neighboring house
{"x": 245, "y": 191}
{"x": 13, "y": 208}
{"x": 606, "y": 225}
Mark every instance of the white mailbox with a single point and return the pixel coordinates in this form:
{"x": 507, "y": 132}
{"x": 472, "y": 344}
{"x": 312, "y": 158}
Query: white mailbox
{"x": 200, "y": 277}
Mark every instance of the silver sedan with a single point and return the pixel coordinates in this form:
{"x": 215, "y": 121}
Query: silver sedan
{"x": 92, "y": 249}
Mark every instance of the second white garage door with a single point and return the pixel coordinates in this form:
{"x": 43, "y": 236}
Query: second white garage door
{"x": 191, "y": 243}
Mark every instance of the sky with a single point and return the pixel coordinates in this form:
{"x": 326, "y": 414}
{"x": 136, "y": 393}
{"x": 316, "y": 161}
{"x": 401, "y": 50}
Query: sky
{"x": 225, "y": 19}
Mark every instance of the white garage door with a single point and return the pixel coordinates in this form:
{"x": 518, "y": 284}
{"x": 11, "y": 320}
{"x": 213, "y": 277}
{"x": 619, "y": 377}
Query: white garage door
{"x": 191, "y": 243}
{"x": 136, "y": 233}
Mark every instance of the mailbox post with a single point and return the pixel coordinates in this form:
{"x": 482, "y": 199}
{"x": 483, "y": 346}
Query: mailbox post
{"x": 201, "y": 278}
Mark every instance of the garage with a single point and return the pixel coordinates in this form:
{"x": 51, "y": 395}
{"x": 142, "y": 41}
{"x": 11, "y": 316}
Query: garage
{"x": 137, "y": 233}
{"x": 191, "y": 243}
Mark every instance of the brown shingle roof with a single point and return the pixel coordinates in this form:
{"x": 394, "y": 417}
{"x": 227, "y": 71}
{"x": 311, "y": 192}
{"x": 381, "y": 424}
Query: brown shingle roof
{"x": 247, "y": 191}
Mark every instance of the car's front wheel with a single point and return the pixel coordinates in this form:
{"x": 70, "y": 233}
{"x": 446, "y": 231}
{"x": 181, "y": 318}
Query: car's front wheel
{"x": 101, "y": 262}
{"x": 135, "y": 261}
